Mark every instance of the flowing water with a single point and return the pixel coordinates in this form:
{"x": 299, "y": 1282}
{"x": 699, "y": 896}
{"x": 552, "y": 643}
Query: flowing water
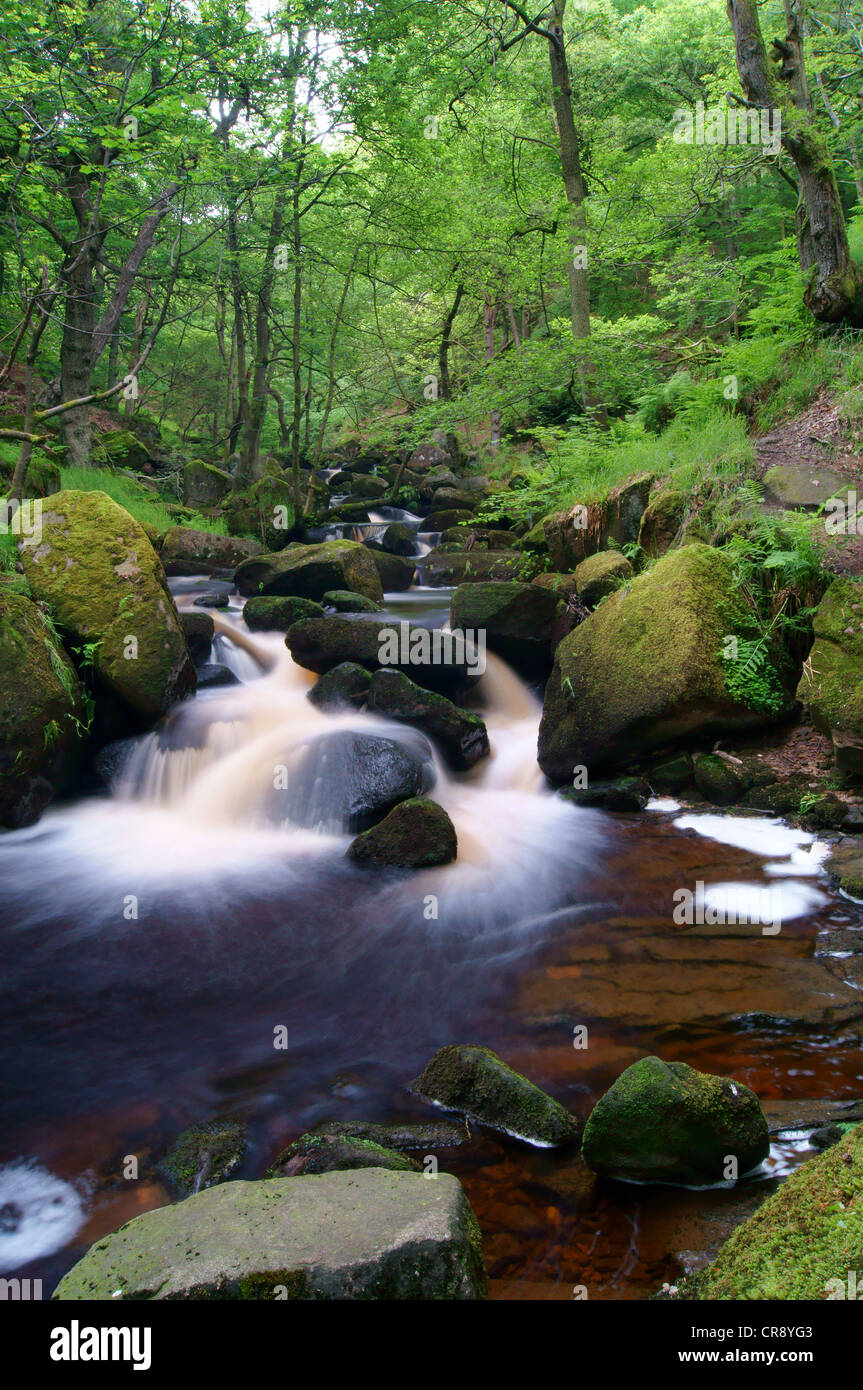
{"x": 157, "y": 938}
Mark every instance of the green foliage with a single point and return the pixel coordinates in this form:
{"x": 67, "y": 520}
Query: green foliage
{"x": 148, "y": 509}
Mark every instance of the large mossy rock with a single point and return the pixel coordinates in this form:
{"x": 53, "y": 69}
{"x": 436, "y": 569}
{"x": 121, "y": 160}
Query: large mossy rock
{"x": 475, "y": 1082}
{"x": 647, "y": 669}
{"x": 186, "y": 551}
{"x": 278, "y": 614}
{"x": 310, "y": 571}
{"x": 461, "y": 733}
{"x": 581, "y": 530}
{"x": 664, "y": 1122}
{"x": 40, "y": 708}
{"x": 417, "y": 834}
{"x": 121, "y": 449}
{"x": 832, "y": 680}
{"x": 320, "y": 644}
{"x": 204, "y": 484}
{"x": 96, "y": 569}
{"x": 805, "y": 1240}
{"x": 519, "y": 621}
{"x": 369, "y": 1234}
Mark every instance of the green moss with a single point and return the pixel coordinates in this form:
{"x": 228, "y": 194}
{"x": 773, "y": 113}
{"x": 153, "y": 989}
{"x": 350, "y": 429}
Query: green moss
{"x": 808, "y": 1233}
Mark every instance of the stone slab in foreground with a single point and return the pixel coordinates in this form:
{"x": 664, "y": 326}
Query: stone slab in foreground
{"x": 368, "y": 1234}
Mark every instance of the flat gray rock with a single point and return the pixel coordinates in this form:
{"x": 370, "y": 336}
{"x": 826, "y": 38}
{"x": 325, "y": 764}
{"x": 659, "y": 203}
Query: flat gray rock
{"x": 367, "y": 1234}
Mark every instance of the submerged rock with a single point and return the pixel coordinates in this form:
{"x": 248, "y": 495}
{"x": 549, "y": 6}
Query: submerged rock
{"x": 369, "y": 1234}
{"x": 96, "y": 569}
{"x": 274, "y": 614}
{"x": 665, "y": 1122}
{"x": 337, "y": 1153}
{"x": 204, "y": 1155}
{"x": 475, "y": 1082}
{"x": 41, "y": 712}
{"x": 310, "y": 571}
{"x": 461, "y": 734}
{"x": 417, "y": 834}
{"x": 804, "y": 1242}
{"x": 647, "y": 668}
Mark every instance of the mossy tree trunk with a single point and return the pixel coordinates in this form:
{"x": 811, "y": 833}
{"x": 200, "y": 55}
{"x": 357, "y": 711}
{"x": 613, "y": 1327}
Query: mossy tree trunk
{"x": 834, "y": 290}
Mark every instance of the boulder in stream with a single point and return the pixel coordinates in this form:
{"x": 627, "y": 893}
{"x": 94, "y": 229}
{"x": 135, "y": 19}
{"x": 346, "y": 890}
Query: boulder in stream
{"x": 518, "y": 620}
{"x": 417, "y": 834}
{"x": 396, "y": 571}
{"x": 338, "y": 1153}
{"x": 475, "y": 1082}
{"x": 435, "y": 661}
{"x": 345, "y": 687}
{"x": 200, "y": 631}
{"x": 204, "y": 1155}
{"x": 185, "y": 551}
{"x": 96, "y": 569}
{"x": 277, "y": 614}
{"x": 310, "y": 571}
{"x": 367, "y": 1234}
{"x": 348, "y": 780}
{"x": 647, "y": 668}
{"x": 343, "y": 601}
{"x": 665, "y": 1122}
{"x": 461, "y": 734}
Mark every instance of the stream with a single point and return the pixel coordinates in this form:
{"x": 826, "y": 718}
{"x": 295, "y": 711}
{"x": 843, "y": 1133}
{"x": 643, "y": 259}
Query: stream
{"x": 158, "y": 936}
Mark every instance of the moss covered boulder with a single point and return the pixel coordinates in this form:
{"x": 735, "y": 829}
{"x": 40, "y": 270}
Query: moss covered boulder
{"x": 345, "y": 687}
{"x": 477, "y": 1083}
{"x": 647, "y": 668}
{"x": 664, "y": 1122}
{"x": 120, "y": 449}
{"x": 343, "y": 601}
{"x": 97, "y": 571}
{"x": 186, "y": 551}
{"x": 417, "y": 834}
{"x": 338, "y": 1153}
{"x": 661, "y": 523}
{"x": 832, "y": 680}
{"x": 204, "y": 485}
{"x": 445, "y": 567}
{"x": 320, "y": 644}
{"x": 519, "y": 621}
{"x": 804, "y": 1242}
{"x": 41, "y": 712}
{"x": 204, "y": 1155}
{"x": 310, "y": 571}
{"x": 43, "y": 476}
{"x": 368, "y": 1234}
{"x": 395, "y": 572}
{"x": 263, "y": 614}
{"x": 719, "y": 780}
{"x": 601, "y": 574}
{"x": 461, "y": 734}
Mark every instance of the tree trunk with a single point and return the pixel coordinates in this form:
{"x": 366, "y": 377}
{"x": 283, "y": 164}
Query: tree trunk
{"x": 834, "y": 290}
